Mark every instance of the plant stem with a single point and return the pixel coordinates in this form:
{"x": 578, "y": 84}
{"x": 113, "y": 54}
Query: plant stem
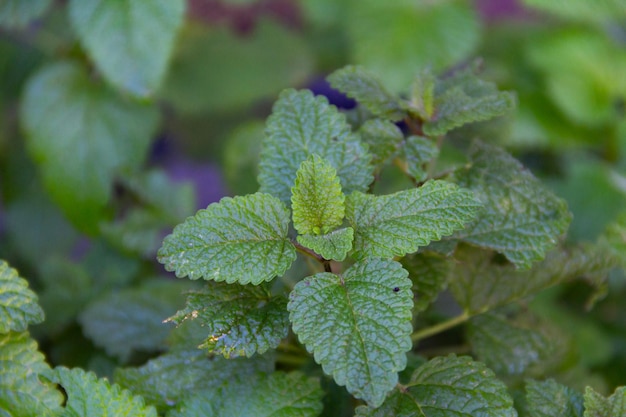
{"x": 440, "y": 327}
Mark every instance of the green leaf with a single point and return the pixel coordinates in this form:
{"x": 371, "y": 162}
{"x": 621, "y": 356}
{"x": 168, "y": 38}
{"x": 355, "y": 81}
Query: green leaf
{"x": 89, "y": 396}
{"x": 316, "y": 200}
{"x": 422, "y": 102}
{"x": 358, "y": 83}
{"x": 366, "y": 333}
{"x": 22, "y": 393}
{"x": 16, "y": 14}
{"x": 506, "y": 346}
{"x": 168, "y": 379}
{"x": 383, "y": 138}
{"x": 130, "y": 42}
{"x": 64, "y": 112}
{"x": 334, "y": 245}
{"x": 614, "y": 238}
{"x": 241, "y": 239}
{"x": 301, "y": 125}
{"x": 397, "y": 224}
{"x": 429, "y": 273}
{"x": 278, "y": 394}
{"x": 448, "y": 386}
{"x": 521, "y": 218}
{"x": 600, "y": 12}
{"x": 550, "y": 399}
{"x": 18, "y": 304}
{"x": 598, "y": 406}
{"x": 132, "y": 319}
{"x": 464, "y": 98}
{"x": 237, "y": 320}
{"x": 418, "y": 151}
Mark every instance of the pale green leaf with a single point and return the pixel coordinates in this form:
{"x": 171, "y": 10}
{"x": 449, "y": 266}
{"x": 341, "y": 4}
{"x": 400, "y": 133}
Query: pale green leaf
{"x": 277, "y": 394}
{"x": 236, "y": 320}
{"x": 598, "y": 406}
{"x": 334, "y": 245}
{"x": 81, "y": 135}
{"x": 551, "y": 399}
{"x": 383, "y": 138}
{"x": 242, "y": 150}
{"x": 88, "y": 396}
{"x": 358, "y": 83}
{"x": 130, "y": 42}
{"x": 16, "y": 14}
{"x": 365, "y": 335}
{"x": 448, "y": 387}
{"x": 22, "y": 392}
{"x": 521, "y": 218}
{"x": 418, "y": 151}
{"x": 429, "y": 272}
{"x": 400, "y": 223}
{"x": 18, "y": 304}
{"x": 300, "y": 125}
{"x": 422, "y": 103}
{"x": 168, "y": 379}
{"x": 316, "y": 198}
{"x": 240, "y": 239}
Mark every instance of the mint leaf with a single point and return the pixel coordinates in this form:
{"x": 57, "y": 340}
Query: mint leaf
{"x": 334, "y": 245}
{"x": 16, "y": 14}
{"x": 62, "y": 109}
{"x": 241, "y": 239}
{"x": 397, "y": 224}
{"x": 366, "y": 333}
{"x": 448, "y": 386}
{"x": 422, "y": 103}
{"x": 317, "y": 201}
{"x": 89, "y": 396}
{"x": 418, "y": 151}
{"x": 358, "y": 83}
{"x": 598, "y": 406}
{"x": 300, "y": 125}
{"x": 549, "y": 399}
{"x": 18, "y": 304}
{"x": 237, "y": 320}
{"x": 383, "y": 138}
{"x": 521, "y": 218}
{"x": 130, "y": 42}
{"x": 22, "y": 393}
{"x": 429, "y": 273}
{"x": 614, "y": 238}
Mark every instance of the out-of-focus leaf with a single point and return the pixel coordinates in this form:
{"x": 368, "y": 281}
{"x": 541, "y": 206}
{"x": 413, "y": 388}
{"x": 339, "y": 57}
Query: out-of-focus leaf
{"x": 418, "y": 151}
{"x": 382, "y": 137}
{"x": 597, "y": 12}
{"x": 18, "y": 303}
{"x": 550, "y": 399}
{"x": 429, "y": 273}
{"x": 16, "y": 14}
{"x": 242, "y": 151}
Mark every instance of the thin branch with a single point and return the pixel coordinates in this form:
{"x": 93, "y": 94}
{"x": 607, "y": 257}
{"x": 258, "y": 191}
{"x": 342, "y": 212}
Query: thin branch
{"x": 440, "y": 327}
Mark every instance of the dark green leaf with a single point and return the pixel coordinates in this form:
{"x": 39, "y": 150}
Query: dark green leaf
{"x": 429, "y": 273}
{"x": 15, "y": 14}
{"x": 382, "y": 137}
{"x": 551, "y": 399}
{"x": 334, "y": 245}
{"x": 18, "y": 304}
{"x": 598, "y": 406}
{"x": 418, "y": 151}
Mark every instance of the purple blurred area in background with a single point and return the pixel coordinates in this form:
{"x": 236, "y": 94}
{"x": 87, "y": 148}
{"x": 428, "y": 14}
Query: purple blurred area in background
{"x": 495, "y": 10}
{"x": 206, "y": 178}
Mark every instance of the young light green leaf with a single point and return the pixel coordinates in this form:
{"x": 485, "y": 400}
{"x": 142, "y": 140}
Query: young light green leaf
{"x": 82, "y": 134}
{"x": 366, "y": 333}
{"x": 418, "y": 151}
{"x": 240, "y": 239}
{"x": 422, "y": 102}
{"x": 15, "y": 14}
{"x": 363, "y": 86}
{"x": 383, "y": 138}
{"x": 300, "y": 125}
{"x": 237, "y": 320}
{"x": 448, "y": 386}
{"x": 400, "y": 223}
{"x": 22, "y": 392}
{"x": 597, "y": 405}
{"x": 316, "y": 198}
{"x": 550, "y": 399}
{"x": 130, "y": 42}
{"x": 334, "y": 245}
{"x": 89, "y": 396}
{"x": 277, "y": 394}
{"x": 18, "y": 304}
{"x": 521, "y": 218}
{"x": 429, "y": 272}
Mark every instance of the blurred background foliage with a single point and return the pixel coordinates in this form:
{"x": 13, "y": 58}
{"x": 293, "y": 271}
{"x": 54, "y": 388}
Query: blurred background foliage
{"x": 96, "y": 166}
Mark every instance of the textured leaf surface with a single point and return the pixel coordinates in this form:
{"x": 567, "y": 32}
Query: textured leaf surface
{"x": 598, "y": 406}
{"x": 18, "y": 304}
{"x": 448, "y": 387}
{"x": 170, "y": 378}
{"x": 423, "y": 94}
{"x": 18, "y": 13}
{"x": 400, "y": 223}
{"x": 334, "y": 245}
{"x": 418, "y": 151}
{"x": 550, "y": 399}
{"x": 89, "y": 396}
{"x": 130, "y": 42}
{"x": 241, "y": 239}
{"x": 317, "y": 201}
{"x": 429, "y": 273}
{"x": 363, "y": 339}
{"x": 237, "y": 320}
{"x": 81, "y": 134}
{"x": 22, "y": 393}
{"x": 358, "y": 83}
{"x": 615, "y": 238}
{"x": 278, "y": 394}
{"x": 383, "y": 138}
{"x": 521, "y": 218}
{"x": 300, "y": 125}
